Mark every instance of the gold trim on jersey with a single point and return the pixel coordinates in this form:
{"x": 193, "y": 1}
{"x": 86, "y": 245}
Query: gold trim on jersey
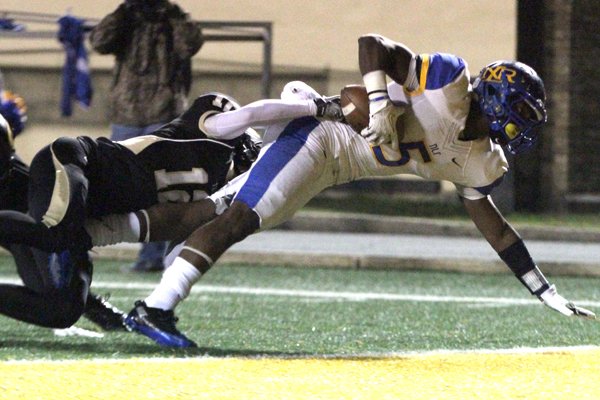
{"x": 61, "y": 194}
{"x": 422, "y": 76}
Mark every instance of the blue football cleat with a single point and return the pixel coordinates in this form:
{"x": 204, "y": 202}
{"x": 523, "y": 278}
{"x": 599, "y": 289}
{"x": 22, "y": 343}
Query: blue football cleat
{"x": 157, "y": 324}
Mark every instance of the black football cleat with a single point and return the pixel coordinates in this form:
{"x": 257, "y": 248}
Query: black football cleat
{"x": 6, "y": 146}
{"x": 99, "y": 311}
{"x": 157, "y": 324}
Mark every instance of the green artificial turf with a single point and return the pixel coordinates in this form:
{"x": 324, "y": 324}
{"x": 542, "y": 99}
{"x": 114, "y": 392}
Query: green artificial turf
{"x": 242, "y": 310}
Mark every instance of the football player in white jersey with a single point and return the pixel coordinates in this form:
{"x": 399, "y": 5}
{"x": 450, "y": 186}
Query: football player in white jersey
{"x": 449, "y": 130}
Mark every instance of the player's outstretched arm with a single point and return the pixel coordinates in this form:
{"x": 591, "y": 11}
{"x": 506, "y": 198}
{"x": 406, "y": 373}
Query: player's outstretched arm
{"x": 511, "y": 249}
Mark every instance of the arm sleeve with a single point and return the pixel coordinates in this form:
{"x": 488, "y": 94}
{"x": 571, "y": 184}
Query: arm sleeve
{"x": 231, "y": 124}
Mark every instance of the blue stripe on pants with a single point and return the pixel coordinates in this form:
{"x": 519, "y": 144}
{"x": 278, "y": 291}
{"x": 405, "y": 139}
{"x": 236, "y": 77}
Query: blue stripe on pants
{"x": 287, "y": 145}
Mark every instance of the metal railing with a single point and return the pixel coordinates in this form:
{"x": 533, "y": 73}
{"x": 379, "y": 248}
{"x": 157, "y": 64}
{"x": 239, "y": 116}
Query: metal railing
{"x": 216, "y": 31}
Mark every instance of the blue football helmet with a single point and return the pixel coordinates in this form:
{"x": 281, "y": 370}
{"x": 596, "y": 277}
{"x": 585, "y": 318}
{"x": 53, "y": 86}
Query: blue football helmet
{"x": 512, "y": 96}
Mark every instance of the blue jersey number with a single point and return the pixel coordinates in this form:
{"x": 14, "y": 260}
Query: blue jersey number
{"x": 404, "y": 152}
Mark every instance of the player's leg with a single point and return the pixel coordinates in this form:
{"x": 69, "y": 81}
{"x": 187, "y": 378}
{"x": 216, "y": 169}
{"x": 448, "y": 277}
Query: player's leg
{"x": 58, "y": 305}
{"x": 161, "y": 222}
{"x": 56, "y": 201}
{"x": 157, "y": 319}
{"x": 19, "y": 228}
{"x": 283, "y": 179}
{"x": 33, "y": 269}
{"x": 154, "y": 317}
{"x": 14, "y": 183}
{"x": 59, "y": 187}
{"x": 58, "y": 190}
{"x": 32, "y": 265}
{"x": 176, "y": 221}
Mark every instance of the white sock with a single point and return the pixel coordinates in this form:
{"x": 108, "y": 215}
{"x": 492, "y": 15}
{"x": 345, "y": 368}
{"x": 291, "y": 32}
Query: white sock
{"x": 174, "y": 286}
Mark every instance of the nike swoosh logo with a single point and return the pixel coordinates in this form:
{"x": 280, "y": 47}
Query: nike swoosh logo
{"x": 454, "y": 161}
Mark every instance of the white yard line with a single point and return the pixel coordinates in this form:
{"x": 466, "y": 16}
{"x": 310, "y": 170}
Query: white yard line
{"x": 351, "y": 296}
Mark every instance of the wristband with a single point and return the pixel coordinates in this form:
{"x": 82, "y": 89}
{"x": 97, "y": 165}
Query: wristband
{"x": 517, "y": 258}
{"x": 376, "y": 86}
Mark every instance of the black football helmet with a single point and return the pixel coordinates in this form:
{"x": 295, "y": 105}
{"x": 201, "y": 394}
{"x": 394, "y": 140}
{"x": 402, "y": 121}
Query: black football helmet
{"x": 212, "y": 103}
{"x": 203, "y": 107}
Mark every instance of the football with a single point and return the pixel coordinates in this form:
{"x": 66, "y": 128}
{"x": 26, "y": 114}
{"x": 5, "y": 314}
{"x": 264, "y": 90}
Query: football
{"x": 355, "y": 106}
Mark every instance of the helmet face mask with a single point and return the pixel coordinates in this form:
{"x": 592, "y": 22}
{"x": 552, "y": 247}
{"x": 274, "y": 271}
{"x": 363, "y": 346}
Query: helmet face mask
{"x": 512, "y": 97}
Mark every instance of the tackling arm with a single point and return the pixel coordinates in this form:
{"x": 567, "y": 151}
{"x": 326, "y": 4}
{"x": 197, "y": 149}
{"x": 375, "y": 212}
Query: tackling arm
{"x": 231, "y": 124}
{"x": 511, "y": 249}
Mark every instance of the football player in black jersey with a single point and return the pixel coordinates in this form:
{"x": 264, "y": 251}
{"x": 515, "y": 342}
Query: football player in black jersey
{"x": 14, "y": 180}
{"x": 74, "y": 179}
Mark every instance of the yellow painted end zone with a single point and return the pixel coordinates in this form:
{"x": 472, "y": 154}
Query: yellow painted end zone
{"x": 553, "y": 375}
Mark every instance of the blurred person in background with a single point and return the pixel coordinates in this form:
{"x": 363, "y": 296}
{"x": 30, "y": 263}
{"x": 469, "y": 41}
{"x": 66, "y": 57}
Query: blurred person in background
{"x": 153, "y": 42}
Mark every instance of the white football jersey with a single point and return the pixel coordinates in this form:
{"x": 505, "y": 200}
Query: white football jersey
{"x": 302, "y": 157}
{"x": 434, "y": 118}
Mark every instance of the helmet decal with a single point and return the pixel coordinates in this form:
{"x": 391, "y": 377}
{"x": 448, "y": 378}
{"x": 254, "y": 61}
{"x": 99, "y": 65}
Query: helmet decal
{"x": 495, "y": 74}
{"x": 224, "y": 103}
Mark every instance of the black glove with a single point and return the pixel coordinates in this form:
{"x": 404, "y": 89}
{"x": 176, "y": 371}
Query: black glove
{"x": 245, "y": 152}
{"x": 329, "y": 108}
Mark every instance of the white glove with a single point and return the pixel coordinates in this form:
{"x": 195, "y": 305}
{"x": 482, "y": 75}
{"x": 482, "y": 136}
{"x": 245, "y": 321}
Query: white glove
{"x": 555, "y": 301}
{"x": 382, "y": 125}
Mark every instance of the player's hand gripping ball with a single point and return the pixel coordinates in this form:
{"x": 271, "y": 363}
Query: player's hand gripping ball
{"x": 355, "y": 106}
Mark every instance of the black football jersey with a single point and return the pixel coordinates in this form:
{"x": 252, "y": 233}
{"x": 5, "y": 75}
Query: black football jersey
{"x": 177, "y": 163}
